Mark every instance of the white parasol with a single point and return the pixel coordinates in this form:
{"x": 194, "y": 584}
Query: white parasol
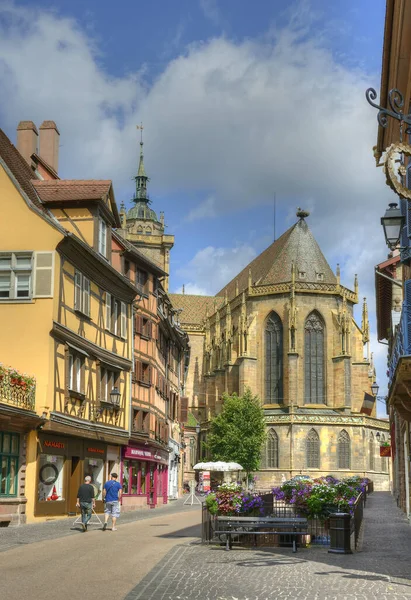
{"x": 218, "y": 466}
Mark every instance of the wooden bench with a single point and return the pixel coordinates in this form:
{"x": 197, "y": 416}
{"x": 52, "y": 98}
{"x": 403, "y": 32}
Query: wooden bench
{"x": 293, "y": 526}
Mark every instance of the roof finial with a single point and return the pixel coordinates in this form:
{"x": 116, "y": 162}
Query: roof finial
{"x": 184, "y": 289}
{"x": 338, "y": 273}
{"x": 302, "y": 213}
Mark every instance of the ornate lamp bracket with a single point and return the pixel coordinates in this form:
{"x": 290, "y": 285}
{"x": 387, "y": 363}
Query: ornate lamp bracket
{"x": 395, "y": 170}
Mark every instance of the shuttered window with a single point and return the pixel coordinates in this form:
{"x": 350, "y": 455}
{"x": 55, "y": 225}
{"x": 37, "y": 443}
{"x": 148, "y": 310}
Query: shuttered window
{"x": 313, "y": 450}
{"x": 344, "y": 450}
{"x": 143, "y": 372}
{"x": 269, "y": 458}
{"x": 102, "y": 237}
{"x": 108, "y": 311}
{"x": 43, "y": 274}
{"x": 314, "y": 376}
{"x": 273, "y": 359}
{"x": 123, "y": 324}
{"x": 81, "y": 293}
{"x": 143, "y": 326}
{"x": 371, "y": 452}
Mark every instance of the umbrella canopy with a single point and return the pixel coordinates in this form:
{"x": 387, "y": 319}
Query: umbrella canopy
{"x": 218, "y": 466}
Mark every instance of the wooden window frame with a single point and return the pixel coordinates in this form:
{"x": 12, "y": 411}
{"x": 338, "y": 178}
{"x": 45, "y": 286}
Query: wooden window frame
{"x": 76, "y": 373}
{"x": 7, "y": 458}
{"x": 102, "y": 237}
{"x": 14, "y": 271}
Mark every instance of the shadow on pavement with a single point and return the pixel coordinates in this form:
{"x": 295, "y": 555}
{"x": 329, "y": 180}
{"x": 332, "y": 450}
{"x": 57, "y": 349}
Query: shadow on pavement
{"x": 193, "y": 531}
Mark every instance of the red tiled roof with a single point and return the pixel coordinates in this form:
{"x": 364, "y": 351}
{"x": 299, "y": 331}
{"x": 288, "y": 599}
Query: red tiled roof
{"x": 65, "y": 190}
{"x": 20, "y": 169}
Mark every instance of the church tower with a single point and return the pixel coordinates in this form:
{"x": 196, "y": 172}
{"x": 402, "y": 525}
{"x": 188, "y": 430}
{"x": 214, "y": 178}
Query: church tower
{"x": 140, "y": 224}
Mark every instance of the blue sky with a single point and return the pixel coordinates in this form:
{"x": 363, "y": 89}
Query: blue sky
{"x": 240, "y": 101}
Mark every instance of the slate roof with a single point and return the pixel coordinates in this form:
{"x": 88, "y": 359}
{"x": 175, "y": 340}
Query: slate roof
{"x": 194, "y": 307}
{"x": 273, "y": 265}
{"x": 69, "y": 190}
{"x": 20, "y": 170}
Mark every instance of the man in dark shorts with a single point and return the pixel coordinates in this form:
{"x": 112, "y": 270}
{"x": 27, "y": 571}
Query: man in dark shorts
{"x": 112, "y": 496}
{"x": 86, "y": 501}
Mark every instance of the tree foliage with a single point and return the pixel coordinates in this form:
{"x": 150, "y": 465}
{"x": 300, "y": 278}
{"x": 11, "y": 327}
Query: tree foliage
{"x": 238, "y": 432}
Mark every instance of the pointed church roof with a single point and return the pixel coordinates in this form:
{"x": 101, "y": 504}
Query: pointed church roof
{"x": 273, "y": 265}
{"x": 141, "y": 170}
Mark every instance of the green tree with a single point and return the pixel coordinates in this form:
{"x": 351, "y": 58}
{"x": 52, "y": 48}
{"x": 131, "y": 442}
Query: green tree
{"x": 238, "y": 432}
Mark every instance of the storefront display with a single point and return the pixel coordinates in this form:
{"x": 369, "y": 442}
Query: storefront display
{"x": 144, "y": 477}
{"x": 62, "y": 464}
{"x": 50, "y": 484}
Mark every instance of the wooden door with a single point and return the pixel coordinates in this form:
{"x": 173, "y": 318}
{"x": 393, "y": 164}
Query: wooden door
{"x": 74, "y": 483}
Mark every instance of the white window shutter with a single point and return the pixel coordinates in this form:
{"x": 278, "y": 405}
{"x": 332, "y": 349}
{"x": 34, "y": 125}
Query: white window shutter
{"x": 123, "y": 327}
{"x": 108, "y": 311}
{"x": 43, "y": 274}
{"x": 86, "y": 296}
{"x": 77, "y": 290}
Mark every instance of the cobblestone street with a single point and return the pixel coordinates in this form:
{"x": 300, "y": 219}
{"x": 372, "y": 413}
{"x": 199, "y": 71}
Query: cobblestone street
{"x": 380, "y": 570}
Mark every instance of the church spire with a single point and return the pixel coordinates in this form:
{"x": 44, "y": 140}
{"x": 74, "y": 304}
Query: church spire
{"x": 141, "y": 177}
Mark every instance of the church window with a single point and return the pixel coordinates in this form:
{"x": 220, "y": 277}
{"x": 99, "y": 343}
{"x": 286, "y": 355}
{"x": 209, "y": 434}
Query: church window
{"x": 302, "y": 274}
{"x": 384, "y": 460}
{"x": 344, "y": 450}
{"x": 139, "y": 230}
{"x": 371, "y": 452}
{"x": 314, "y": 360}
{"x": 148, "y": 230}
{"x": 273, "y": 359}
{"x": 269, "y": 455}
{"x": 313, "y": 450}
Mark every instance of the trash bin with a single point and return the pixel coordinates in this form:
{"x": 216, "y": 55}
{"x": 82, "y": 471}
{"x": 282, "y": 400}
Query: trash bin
{"x": 340, "y": 533}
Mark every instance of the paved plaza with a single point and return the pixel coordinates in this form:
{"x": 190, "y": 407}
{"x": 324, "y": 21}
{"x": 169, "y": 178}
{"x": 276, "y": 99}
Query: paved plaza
{"x": 157, "y": 555}
{"x": 380, "y": 570}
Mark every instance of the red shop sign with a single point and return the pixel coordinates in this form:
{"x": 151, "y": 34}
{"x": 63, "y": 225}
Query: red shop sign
{"x": 52, "y": 444}
{"x": 98, "y": 450}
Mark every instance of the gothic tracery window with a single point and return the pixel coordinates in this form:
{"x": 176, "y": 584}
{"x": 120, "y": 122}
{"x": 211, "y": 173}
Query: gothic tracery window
{"x": 269, "y": 455}
{"x": 344, "y": 450}
{"x": 314, "y": 359}
{"x": 313, "y": 450}
{"x": 273, "y": 359}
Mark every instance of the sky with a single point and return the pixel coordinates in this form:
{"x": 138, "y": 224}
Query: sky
{"x": 241, "y": 102}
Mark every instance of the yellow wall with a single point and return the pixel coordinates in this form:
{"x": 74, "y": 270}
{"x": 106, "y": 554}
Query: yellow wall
{"x": 78, "y": 221}
{"x": 25, "y": 341}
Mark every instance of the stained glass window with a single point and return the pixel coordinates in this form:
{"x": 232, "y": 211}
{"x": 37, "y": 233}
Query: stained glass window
{"x": 269, "y": 458}
{"x": 313, "y": 450}
{"x": 344, "y": 450}
{"x": 314, "y": 359}
{"x": 273, "y": 359}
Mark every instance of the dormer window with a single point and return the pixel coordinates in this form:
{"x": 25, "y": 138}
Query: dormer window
{"x": 302, "y": 275}
{"x": 320, "y": 276}
{"x": 102, "y": 237}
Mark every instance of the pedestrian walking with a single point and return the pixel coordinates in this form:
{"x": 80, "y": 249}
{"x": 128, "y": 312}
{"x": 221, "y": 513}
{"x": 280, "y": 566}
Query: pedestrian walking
{"x": 111, "y": 496}
{"x": 86, "y": 501}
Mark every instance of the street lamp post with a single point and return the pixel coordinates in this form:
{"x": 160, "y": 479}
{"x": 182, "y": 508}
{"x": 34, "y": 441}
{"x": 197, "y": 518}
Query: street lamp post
{"x": 198, "y": 430}
{"x": 392, "y": 223}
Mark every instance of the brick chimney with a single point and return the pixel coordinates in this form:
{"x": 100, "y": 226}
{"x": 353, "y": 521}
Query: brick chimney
{"x": 27, "y": 139}
{"x": 49, "y": 144}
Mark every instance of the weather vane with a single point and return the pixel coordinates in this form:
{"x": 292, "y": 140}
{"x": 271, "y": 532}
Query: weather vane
{"x": 140, "y": 127}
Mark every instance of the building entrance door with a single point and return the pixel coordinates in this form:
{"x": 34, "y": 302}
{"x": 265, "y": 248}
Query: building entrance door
{"x": 74, "y": 483}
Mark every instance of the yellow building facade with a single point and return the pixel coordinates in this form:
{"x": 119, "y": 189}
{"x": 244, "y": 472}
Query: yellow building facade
{"x": 65, "y": 317}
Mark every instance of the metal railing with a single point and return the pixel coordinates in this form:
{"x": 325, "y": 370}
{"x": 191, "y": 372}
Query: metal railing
{"x": 21, "y": 394}
{"x": 402, "y": 342}
{"x": 318, "y": 529}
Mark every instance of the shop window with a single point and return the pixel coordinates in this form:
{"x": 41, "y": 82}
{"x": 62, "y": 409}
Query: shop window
{"x": 116, "y": 316}
{"x": 50, "y": 483}
{"x": 15, "y": 276}
{"x": 81, "y": 293}
{"x": 9, "y": 460}
{"x": 94, "y": 467}
{"x": 134, "y": 477}
{"x": 108, "y": 380}
{"x": 76, "y": 373}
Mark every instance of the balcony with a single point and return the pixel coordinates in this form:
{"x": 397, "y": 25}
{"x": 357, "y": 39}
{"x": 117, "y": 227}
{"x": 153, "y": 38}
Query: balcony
{"x": 17, "y": 390}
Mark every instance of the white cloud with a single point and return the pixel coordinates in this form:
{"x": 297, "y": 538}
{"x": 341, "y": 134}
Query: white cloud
{"x": 211, "y": 268}
{"x": 211, "y": 11}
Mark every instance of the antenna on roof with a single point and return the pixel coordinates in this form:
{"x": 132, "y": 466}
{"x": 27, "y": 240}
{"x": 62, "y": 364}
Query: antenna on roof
{"x": 275, "y": 206}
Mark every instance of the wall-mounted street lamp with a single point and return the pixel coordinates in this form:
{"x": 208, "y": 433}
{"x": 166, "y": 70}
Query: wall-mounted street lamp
{"x": 115, "y": 396}
{"x": 374, "y": 388}
{"x": 198, "y": 428}
{"x": 392, "y": 223}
